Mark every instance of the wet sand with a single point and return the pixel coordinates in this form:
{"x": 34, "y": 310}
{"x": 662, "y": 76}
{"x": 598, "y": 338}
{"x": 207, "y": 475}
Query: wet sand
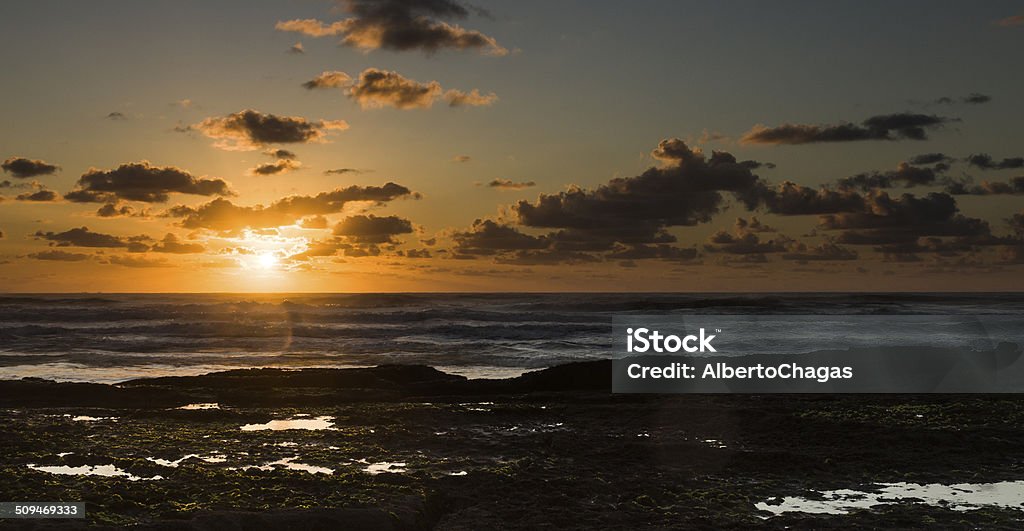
{"x": 408, "y": 447}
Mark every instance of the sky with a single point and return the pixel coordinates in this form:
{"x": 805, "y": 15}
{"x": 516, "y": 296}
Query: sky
{"x": 437, "y": 145}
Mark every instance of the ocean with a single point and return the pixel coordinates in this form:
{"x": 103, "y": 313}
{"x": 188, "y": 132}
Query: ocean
{"x": 115, "y": 337}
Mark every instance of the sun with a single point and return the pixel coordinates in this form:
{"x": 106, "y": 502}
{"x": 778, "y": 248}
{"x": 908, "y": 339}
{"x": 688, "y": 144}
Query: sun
{"x": 267, "y": 260}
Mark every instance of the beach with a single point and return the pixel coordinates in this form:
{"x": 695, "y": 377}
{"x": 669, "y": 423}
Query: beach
{"x": 411, "y": 447}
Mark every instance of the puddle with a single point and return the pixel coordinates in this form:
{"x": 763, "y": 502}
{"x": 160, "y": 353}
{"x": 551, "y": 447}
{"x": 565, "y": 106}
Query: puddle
{"x": 290, "y": 464}
{"x": 383, "y": 467}
{"x": 714, "y": 443}
{"x": 459, "y": 473}
{"x": 204, "y": 405}
{"x": 294, "y": 423}
{"x": 218, "y": 458}
{"x": 958, "y": 497}
{"x": 87, "y": 470}
{"x": 86, "y": 418}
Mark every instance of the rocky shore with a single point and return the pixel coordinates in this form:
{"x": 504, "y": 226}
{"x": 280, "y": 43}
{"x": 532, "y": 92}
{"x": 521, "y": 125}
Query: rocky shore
{"x": 410, "y": 447}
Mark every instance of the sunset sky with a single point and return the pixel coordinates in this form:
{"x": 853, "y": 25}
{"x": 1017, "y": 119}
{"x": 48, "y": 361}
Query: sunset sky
{"x": 430, "y": 145}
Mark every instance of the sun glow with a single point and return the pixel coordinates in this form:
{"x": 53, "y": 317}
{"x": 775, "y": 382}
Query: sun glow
{"x": 267, "y": 260}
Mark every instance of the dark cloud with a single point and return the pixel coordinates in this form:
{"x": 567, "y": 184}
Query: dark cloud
{"x": 400, "y": 25}
{"x": 114, "y": 210}
{"x": 42, "y": 195}
{"x": 627, "y": 218}
{"x": 372, "y": 229}
{"x": 141, "y": 181}
{"x": 416, "y": 253}
{"x": 136, "y": 261}
{"x": 296, "y": 49}
{"x": 379, "y": 88}
{"x": 925, "y": 159}
{"x": 901, "y": 126}
{"x": 249, "y": 129}
{"x": 986, "y": 162}
{"x": 172, "y": 244}
{"x": 83, "y": 237}
{"x": 508, "y": 184}
{"x": 282, "y": 154}
{"x": 59, "y": 256}
{"x": 1014, "y": 186}
{"x": 223, "y": 215}
{"x": 343, "y": 171}
{"x": 791, "y": 199}
{"x": 376, "y": 88}
{"x": 890, "y": 220}
{"x": 745, "y": 243}
{"x": 827, "y": 251}
{"x": 751, "y": 225}
{"x": 973, "y": 98}
{"x": 24, "y": 168}
{"x": 687, "y": 191}
{"x": 461, "y": 158}
{"x": 276, "y": 167}
{"x": 487, "y": 237}
{"x": 329, "y": 79}
{"x": 904, "y": 175}
{"x": 116, "y": 116}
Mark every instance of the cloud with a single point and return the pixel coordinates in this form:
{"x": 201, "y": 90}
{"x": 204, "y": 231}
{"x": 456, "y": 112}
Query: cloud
{"x": 627, "y": 218}
{"x": 343, "y": 171}
{"x": 116, "y": 116}
{"x": 171, "y": 244}
{"x": 141, "y": 181}
{"x": 372, "y": 229}
{"x": 248, "y": 130}
{"x": 42, "y": 195}
{"x": 136, "y": 261}
{"x": 508, "y": 184}
{"x": 973, "y": 98}
{"x": 904, "y": 174}
{"x": 925, "y": 159}
{"x": 791, "y": 199}
{"x": 687, "y": 191}
{"x": 281, "y": 154}
{"x": 984, "y": 161}
{"x": 314, "y": 222}
{"x": 329, "y": 79}
{"x": 400, "y": 25}
{"x": 24, "y": 168}
{"x": 276, "y": 167}
{"x": 379, "y": 88}
{"x": 415, "y": 253}
{"x": 901, "y": 126}
{"x": 1008, "y": 22}
{"x": 59, "y": 256}
{"x": 886, "y": 220}
{"x": 473, "y": 98}
{"x": 296, "y": 49}
{"x": 461, "y": 158}
{"x": 827, "y": 251}
{"x": 114, "y": 210}
{"x": 223, "y": 215}
{"x": 83, "y": 237}
{"x": 376, "y": 88}
{"x": 1013, "y": 187}
{"x": 488, "y": 237}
